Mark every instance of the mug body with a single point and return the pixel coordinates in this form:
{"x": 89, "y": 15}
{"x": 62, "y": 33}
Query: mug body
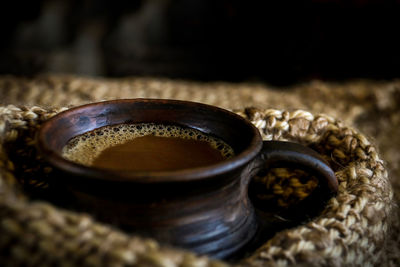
{"x": 205, "y": 209}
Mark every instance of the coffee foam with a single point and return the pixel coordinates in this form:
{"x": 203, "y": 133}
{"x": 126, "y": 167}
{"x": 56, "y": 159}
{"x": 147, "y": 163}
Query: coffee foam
{"x": 85, "y": 148}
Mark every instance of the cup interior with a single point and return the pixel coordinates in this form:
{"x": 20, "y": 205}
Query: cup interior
{"x": 236, "y": 131}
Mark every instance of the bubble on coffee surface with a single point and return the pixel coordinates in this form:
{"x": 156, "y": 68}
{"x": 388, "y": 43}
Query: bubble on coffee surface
{"x": 85, "y": 148}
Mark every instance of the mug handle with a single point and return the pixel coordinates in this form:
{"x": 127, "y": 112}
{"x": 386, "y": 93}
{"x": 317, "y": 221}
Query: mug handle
{"x": 275, "y": 154}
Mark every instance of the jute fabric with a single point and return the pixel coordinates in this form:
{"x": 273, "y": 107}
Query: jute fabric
{"x": 353, "y": 229}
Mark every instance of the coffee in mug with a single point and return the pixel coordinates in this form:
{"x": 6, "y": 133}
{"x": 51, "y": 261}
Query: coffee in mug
{"x": 146, "y": 147}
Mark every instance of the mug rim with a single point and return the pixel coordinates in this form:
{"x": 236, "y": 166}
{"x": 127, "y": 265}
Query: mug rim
{"x": 182, "y": 175}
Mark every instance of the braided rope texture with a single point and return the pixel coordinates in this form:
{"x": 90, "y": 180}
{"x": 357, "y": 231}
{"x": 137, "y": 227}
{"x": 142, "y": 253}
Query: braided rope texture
{"x": 352, "y": 230}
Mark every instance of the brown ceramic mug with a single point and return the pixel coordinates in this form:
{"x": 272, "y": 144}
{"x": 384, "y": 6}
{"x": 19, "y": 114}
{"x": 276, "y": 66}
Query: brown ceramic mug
{"x": 205, "y": 209}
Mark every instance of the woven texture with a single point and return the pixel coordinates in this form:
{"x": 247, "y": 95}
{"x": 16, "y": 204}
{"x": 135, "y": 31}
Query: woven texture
{"x": 352, "y": 230}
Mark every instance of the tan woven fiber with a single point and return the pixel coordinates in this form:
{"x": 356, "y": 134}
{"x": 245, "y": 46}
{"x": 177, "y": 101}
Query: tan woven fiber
{"x": 352, "y": 230}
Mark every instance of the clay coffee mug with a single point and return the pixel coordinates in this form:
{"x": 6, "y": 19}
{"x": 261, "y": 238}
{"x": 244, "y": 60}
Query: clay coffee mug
{"x": 204, "y": 209}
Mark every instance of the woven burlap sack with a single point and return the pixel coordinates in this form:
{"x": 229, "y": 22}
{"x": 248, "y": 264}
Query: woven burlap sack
{"x": 351, "y": 230}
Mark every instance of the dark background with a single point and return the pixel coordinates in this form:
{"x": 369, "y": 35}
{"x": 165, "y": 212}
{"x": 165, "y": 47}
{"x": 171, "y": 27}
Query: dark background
{"x": 280, "y": 42}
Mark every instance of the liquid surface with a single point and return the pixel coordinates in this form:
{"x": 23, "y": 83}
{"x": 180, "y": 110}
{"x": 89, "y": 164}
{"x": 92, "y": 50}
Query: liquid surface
{"x": 146, "y": 147}
{"x": 154, "y": 153}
